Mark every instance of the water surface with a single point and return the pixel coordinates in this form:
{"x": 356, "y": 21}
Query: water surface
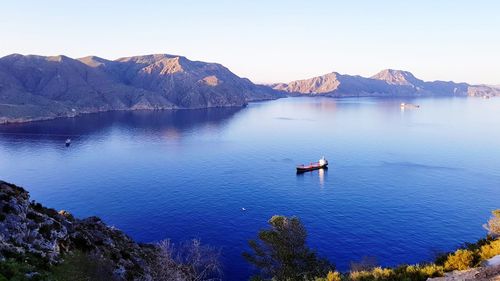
{"x": 402, "y": 184}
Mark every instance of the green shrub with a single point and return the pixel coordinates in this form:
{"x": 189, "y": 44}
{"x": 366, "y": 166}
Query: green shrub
{"x": 83, "y": 267}
{"x": 15, "y": 270}
{"x": 460, "y": 260}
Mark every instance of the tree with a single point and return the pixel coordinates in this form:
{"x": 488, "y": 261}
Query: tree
{"x": 493, "y": 225}
{"x": 281, "y": 252}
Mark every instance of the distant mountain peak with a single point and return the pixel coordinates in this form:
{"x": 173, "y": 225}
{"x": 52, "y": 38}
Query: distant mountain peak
{"x": 93, "y": 61}
{"x": 397, "y": 77}
{"x": 150, "y": 59}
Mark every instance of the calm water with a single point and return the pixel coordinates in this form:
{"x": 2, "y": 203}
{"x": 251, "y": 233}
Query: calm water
{"x": 401, "y": 185}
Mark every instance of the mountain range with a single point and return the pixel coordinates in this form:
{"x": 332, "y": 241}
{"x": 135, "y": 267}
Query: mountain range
{"x": 386, "y": 83}
{"x": 38, "y": 87}
{"x": 46, "y": 87}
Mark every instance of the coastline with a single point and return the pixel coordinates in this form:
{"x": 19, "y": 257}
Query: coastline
{"x": 21, "y": 120}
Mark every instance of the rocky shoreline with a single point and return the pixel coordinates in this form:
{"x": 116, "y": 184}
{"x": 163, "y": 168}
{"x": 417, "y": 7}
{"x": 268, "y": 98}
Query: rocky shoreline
{"x": 29, "y": 229}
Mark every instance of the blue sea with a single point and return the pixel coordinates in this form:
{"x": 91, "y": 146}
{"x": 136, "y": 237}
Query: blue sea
{"x": 402, "y": 184}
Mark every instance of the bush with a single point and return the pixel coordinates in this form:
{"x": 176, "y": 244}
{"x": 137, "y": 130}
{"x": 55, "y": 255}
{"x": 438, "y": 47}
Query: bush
{"x": 460, "y": 260}
{"x": 432, "y": 270}
{"x": 360, "y": 276}
{"x": 493, "y": 225}
{"x": 15, "y": 270}
{"x": 83, "y": 267}
{"x": 490, "y": 250}
{"x": 333, "y": 276}
{"x": 188, "y": 261}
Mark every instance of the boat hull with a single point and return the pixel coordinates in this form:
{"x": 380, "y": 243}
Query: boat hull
{"x": 303, "y": 169}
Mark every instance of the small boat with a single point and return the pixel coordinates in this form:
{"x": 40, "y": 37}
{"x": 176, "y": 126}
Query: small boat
{"x": 67, "y": 142}
{"x": 409, "y": 105}
{"x": 321, "y": 164}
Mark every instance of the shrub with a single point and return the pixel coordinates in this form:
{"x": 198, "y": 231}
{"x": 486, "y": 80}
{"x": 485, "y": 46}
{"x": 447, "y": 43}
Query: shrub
{"x": 490, "y": 250}
{"x": 15, "y": 270}
{"x": 432, "y": 270}
{"x": 382, "y": 273}
{"x": 188, "y": 261}
{"x": 81, "y": 266}
{"x": 460, "y": 260}
{"x": 360, "y": 275}
{"x": 333, "y": 276}
{"x": 493, "y": 225}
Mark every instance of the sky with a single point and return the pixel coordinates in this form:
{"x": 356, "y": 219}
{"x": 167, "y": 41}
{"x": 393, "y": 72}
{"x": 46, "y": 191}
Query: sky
{"x": 270, "y": 40}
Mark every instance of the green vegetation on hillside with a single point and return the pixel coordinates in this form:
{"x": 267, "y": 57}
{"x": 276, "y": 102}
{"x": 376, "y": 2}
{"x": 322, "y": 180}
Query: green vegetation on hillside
{"x": 281, "y": 254}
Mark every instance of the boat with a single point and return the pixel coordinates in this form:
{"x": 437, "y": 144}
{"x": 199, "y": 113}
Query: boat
{"x": 409, "y": 105}
{"x": 67, "y": 142}
{"x": 321, "y": 164}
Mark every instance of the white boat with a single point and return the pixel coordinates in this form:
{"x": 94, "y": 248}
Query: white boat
{"x": 409, "y": 105}
{"x": 67, "y": 142}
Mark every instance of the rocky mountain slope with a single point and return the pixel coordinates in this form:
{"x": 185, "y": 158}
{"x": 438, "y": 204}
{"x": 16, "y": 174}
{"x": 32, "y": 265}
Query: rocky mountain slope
{"x": 38, "y": 87}
{"x": 386, "y": 83}
{"x": 29, "y": 229}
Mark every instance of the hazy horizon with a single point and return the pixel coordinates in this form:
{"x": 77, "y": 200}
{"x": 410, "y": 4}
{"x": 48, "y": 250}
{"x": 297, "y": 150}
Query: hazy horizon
{"x": 279, "y": 41}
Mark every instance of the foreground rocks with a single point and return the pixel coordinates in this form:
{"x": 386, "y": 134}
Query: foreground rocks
{"x": 28, "y": 228}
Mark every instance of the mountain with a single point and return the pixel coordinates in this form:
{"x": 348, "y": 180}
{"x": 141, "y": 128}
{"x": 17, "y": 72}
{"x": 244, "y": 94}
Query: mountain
{"x": 38, "y": 87}
{"x": 386, "y": 83}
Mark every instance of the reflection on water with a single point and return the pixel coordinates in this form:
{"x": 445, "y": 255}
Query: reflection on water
{"x": 320, "y": 174}
{"x": 168, "y": 123}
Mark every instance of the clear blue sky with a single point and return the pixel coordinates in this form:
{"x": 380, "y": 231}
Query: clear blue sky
{"x": 270, "y": 40}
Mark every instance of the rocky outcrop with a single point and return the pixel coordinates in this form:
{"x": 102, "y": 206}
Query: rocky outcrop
{"x": 38, "y": 87}
{"x": 386, "y": 83}
{"x": 28, "y": 228}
